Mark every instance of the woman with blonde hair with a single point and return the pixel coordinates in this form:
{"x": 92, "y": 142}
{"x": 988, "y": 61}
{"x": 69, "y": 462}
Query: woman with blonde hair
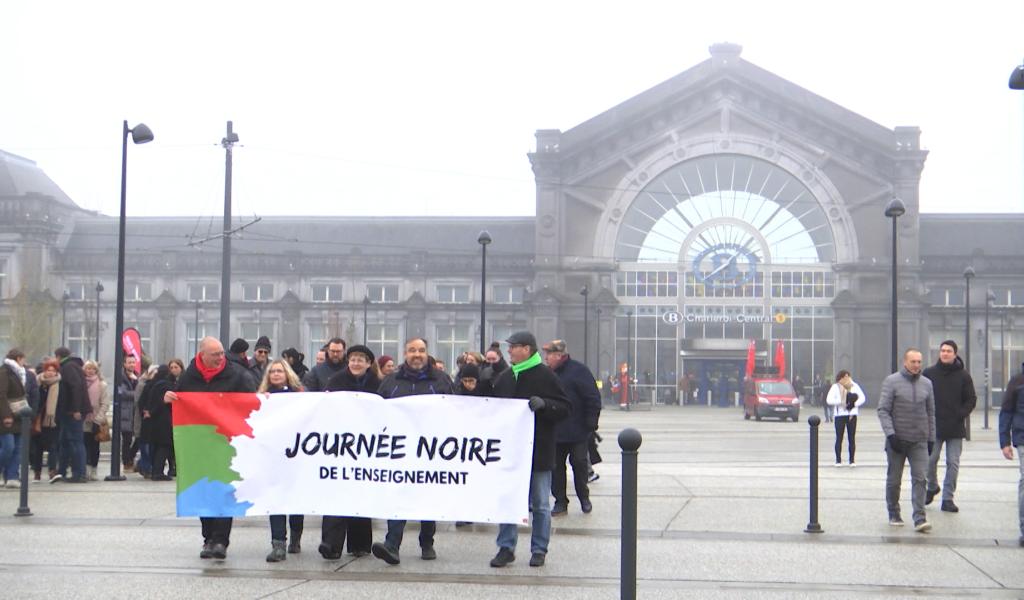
{"x": 99, "y": 398}
{"x": 280, "y": 378}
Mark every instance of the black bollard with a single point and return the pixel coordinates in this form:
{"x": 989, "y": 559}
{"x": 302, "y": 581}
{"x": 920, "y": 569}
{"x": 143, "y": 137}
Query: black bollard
{"x": 26, "y": 439}
{"x": 812, "y": 524}
{"x": 629, "y": 441}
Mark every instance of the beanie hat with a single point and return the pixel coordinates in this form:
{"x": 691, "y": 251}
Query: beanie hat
{"x": 470, "y": 371}
{"x": 383, "y": 360}
{"x": 238, "y": 346}
{"x": 263, "y": 342}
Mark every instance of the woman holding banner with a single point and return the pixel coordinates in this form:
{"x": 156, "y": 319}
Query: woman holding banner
{"x": 280, "y": 378}
{"x": 360, "y": 374}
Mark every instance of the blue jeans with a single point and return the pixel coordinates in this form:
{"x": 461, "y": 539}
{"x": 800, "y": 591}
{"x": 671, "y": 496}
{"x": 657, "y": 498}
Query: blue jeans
{"x": 1020, "y": 491}
{"x": 540, "y": 517}
{"x": 145, "y": 463}
{"x": 8, "y": 455}
{"x": 72, "y": 447}
{"x": 954, "y": 446}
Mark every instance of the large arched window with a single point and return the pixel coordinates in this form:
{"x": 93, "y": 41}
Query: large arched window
{"x": 710, "y": 208}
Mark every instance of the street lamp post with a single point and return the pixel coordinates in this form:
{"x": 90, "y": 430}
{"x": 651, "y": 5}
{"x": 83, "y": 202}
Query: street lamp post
{"x": 140, "y": 135}
{"x": 989, "y": 298}
{"x": 228, "y": 142}
{"x": 598, "y": 311}
{"x": 894, "y": 210}
{"x": 64, "y": 318}
{"x": 366, "y": 306}
{"x": 96, "y": 353}
{"x": 629, "y": 358}
{"x": 968, "y": 276}
{"x": 195, "y": 332}
{"x": 484, "y": 239}
{"x": 585, "y": 292}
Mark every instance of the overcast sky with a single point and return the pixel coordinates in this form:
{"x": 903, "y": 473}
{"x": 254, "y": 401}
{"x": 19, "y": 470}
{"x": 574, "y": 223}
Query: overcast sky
{"x": 413, "y": 108}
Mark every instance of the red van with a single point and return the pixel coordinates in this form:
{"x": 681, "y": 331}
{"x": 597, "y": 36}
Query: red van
{"x": 766, "y": 394}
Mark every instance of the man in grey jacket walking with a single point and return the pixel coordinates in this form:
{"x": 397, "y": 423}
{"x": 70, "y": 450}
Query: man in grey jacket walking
{"x": 906, "y": 410}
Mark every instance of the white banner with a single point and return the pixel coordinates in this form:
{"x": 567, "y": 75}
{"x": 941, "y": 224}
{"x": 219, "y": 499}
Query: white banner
{"x": 439, "y": 458}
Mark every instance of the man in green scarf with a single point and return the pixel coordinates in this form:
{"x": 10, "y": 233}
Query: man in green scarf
{"x": 529, "y": 378}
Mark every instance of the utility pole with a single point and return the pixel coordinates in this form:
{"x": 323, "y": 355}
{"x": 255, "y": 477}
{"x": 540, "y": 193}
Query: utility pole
{"x": 225, "y": 279}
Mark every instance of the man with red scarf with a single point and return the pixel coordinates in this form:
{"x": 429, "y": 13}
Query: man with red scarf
{"x": 210, "y": 371}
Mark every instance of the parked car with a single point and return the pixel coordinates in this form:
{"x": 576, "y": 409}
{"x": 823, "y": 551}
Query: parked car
{"x": 767, "y": 394}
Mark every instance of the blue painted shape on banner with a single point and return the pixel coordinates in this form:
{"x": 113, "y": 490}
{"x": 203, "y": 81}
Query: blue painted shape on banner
{"x": 207, "y": 498}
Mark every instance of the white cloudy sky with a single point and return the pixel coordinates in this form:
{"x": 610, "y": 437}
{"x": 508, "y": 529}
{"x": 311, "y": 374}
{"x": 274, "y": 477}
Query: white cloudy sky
{"x": 430, "y": 107}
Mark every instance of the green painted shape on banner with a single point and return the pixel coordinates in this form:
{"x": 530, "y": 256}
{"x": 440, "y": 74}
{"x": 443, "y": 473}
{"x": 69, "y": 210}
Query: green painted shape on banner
{"x": 202, "y": 453}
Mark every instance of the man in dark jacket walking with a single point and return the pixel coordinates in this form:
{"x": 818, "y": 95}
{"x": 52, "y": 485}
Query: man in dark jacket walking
{"x": 955, "y": 398}
{"x": 906, "y": 411}
{"x": 1011, "y": 435}
{"x": 530, "y": 378}
{"x": 573, "y": 434}
{"x": 210, "y": 371}
{"x": 417, "y": 376}
{"x": 317, "y": 378}
{"x": 72, "y": 408}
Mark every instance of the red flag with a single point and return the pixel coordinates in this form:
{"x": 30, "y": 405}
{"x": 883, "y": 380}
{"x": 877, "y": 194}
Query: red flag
{"x": 751, "y": 350}
{"x": 132, "y": 344}
{"x": 780, "y": 358}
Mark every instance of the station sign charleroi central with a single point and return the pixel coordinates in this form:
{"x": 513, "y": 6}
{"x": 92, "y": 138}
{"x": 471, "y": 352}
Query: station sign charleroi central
{"x": 673, "y": 317}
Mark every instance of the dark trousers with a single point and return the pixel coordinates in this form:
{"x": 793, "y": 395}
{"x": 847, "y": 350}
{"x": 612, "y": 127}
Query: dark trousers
{"x": 216, "y": 530}
{"x": 162, "y": 454}
{"x": 849, "y": 425}
{"x": 396, "y": 531}
{"x": 358, "y": 530}
{"x": 277, "y": 526}
{"x": 579, "y": 458}
{"x": 92, "y": 447}
{"x": 129, "y": 446}
{"x": 46, "y": 441}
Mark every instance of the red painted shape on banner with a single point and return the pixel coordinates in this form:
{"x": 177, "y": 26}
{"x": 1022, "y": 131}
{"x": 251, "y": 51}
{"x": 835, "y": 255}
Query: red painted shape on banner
{"x": 228, "y": 411}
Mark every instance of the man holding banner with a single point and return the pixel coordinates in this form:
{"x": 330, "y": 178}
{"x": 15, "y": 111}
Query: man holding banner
{"x": 417, "y": 376}
{"x": 210, "y": 371}
{"x": 530, "y": 378}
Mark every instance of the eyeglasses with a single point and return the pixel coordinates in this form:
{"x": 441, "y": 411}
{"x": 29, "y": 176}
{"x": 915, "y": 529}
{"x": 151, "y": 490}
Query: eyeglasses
{"x": 262, "y": 352}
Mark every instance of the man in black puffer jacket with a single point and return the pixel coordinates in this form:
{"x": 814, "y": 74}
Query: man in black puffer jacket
{"x": 955, "y": 398}
{"x": 530, "y": 378}
{"x": 417, "y": 376}
{"x": 572, "y": 435}
{"x": 210, "y": 371}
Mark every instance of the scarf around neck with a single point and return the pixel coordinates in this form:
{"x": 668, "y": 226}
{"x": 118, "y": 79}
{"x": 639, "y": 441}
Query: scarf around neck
{"x": 20, "y": 370}
{"x": 526, "y": 365}
{"x": 208, "y": 373}
{"x": 92, "y": 386}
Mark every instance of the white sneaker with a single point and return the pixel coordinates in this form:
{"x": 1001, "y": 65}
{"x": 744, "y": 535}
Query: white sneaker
{"x": 853, "y": 465}
{"x": 13, "y": 483}
{"x": 837, "y": 465}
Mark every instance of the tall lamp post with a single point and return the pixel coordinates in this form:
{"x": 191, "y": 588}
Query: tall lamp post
{"x": 484, "y": 239}
{"x": 968, "y": 276}
{"x": 228, "y": 142}
{"x": 894, "y": 210}
{"x": 585, "y": 292}
{"x": 598, "y": 311}
{"x": 140, "y": 135}
{"x": 64, "y": 318}
{"x": 195, "y": 332}
{"x": 629, "y": 358}
{"x": 366, "y": 306}
{"x": 989, "y": 299}
{"x": 99, "y": 288}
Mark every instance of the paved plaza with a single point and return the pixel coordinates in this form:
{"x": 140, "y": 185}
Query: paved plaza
{"x": 722, "y": 508}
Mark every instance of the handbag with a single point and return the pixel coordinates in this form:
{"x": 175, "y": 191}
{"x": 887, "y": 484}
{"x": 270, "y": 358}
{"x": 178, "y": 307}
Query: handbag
{"x": 20, "y": 407}
{"x": 103, "y": 433}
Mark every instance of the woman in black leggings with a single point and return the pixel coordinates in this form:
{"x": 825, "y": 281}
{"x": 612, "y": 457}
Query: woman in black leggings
{"x": 845, "y": 396}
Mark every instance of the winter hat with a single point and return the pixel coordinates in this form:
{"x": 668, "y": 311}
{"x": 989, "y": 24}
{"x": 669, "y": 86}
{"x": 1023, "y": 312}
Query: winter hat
{"x": 360, "y": 349}
{"x": 238, "y": 346}
{"x": 523, "y": 338}
{"x": 263, "y": 342}
{"x": 470, "y": 371}
{"x": 383, "y": 360}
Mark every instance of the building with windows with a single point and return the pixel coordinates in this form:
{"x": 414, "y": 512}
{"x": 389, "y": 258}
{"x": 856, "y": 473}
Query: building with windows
{"x": 721, "y": 206}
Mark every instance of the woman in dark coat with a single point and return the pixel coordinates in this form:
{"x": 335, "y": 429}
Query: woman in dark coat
{"x": 277, "y": 379}
{"x": 360, "y": 375}
{"x": 157, "y": 423}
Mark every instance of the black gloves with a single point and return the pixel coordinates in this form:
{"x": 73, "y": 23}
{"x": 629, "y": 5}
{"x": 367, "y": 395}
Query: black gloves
{"x": 536, "y": 403}
{"x": 893, "y": 443}
{"x": 931, "y": 446}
